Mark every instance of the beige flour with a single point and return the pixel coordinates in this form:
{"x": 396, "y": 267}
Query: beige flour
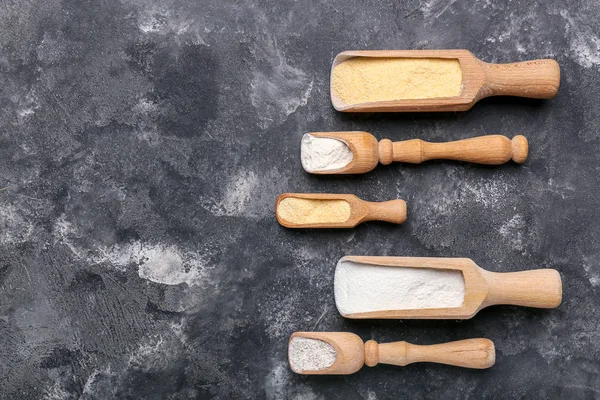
{"x": 365, "y": 79}
{"x": 364, "y": 287}
{"x": 308, "y": 211}
{"x": 310, "y": 354}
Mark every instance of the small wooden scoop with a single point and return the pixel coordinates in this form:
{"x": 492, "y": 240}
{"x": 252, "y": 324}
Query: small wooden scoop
{"x": 393, "y": 211}
{"x": 490, "y": 149}
{"x": 540, "y": 288}
{"x": 538, "y": 79}
{"x": 352, "y": 353}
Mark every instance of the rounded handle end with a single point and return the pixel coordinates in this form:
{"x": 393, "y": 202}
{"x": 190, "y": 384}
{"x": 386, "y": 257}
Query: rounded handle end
{"x": 399, "y": 214}
{"x": 489, "y": 351}
{"x": 553, "y": 71}
{"x": 556, "y": 299}
{"x": 520, "y": 149}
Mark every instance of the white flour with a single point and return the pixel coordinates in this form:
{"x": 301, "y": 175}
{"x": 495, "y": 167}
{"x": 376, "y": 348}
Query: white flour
{"x": 310, "y": 354}
{"x": 324, "y": 154}
{"x": 363, "y": 288}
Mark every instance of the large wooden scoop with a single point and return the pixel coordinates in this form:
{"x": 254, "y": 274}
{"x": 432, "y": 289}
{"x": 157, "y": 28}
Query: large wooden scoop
{"x": 352, "y": 353}
{"x": 541, "y": 288}
{"x": 368, "y": 152}
{"x": 539, "y": 79}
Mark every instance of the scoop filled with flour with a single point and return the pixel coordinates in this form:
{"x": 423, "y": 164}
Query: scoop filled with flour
{"x": 361, "y": 288}
{"x": 306, "y": 354}
{"x": 313, "y": 211}
{"x": 373, "y": 79}
{"x": 324, "y": 153}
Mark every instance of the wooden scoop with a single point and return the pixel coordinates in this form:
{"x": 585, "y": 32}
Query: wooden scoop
{"x": 490, "y": 149}
{"x": 540, "y": 288}
{"x": 538, "y": 79}
{"x": 393, "y": 211}
{"x": 352, "y": 353}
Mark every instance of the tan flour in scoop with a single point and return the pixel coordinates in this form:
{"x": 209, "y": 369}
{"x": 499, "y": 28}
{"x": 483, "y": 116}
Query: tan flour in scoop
{"x": 309, "y": 211}
{"x": 370, "y": 79}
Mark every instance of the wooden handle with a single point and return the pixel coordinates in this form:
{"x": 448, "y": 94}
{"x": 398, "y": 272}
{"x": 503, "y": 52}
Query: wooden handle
{"x": 537, "y": 79}
{"x": 491, "y": 149}
{"x": 469, "y": 353}
{"x": 393, "y": 211}
{"x": 541, "y": 288}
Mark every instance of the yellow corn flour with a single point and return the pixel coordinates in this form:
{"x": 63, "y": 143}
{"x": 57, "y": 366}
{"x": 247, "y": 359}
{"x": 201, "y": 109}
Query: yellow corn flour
{"x": 307, "y": 211}
{"x": 366, "y": 79}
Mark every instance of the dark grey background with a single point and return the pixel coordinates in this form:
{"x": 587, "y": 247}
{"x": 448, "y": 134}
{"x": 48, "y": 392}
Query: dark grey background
{"x": 143, "y": 145}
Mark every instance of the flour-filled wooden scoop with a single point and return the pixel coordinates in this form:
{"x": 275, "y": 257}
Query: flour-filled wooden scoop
{"x": 432, "y": 80}
{"x": 318, "y": 210}
{"x": 360, "y": 152}
{"x": 342, "y": 353}
{"x": 435, "y": 288}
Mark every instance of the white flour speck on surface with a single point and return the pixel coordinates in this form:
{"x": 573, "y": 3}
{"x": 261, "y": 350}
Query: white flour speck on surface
{"x": 306, "y": 354}
{"x": 591, "y": 265}
{"x": 324, "y": 154}
{"x": 363, "y": 288}
{"x": 514, "y": 232}
{"x": 433, "y": 9}
{"x": 278, "y": 88}
{"x": 246, "y": 195}
{"x": 166, "y": 265}
{"x": 161, "y": 263}
{"x": 14, "y": 225}
{"x": 281, "y": 384}
{"x": 584, "y": 43}
{"x": 238, "y": 193}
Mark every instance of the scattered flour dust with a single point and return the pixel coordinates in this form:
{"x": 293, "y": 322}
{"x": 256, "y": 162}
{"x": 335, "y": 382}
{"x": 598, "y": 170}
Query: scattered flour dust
{"x": 161, "y": 263}
{"x": 433, "y": 9}
{"x": 277, "y": 88}
{"x": 237, "y": 195}
{"x": 513, "y": 231}
{"x": 279, "y": 384}
{"x": 591, "y": 265}
{"x": 584, "y": 43}
{"x": 248, "y": 194}
{"x": 56, "y": 391}
{"x": 363, "y": 287}
{"x": 162, "y": 21}
{"x": 166, "y": 264}
{"x": 306, "y": 354}
{"x": 324, "y": 154}
{"x": 14, "y": 227}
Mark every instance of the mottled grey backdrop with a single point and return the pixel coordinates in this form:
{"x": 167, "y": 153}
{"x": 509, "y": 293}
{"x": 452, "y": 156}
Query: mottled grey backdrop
{"x": 143, "y": 144}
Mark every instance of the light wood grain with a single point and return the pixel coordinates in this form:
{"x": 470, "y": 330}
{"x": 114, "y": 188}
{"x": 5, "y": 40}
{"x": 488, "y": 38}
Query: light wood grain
{"x": 352, "y": 353}
{"x": 468, "y": 353}
{"x": 489, "y": 149}
{"x": 393, "y": 211}
{"x": 541, "y": 288}
{"x": 538, "y": 79}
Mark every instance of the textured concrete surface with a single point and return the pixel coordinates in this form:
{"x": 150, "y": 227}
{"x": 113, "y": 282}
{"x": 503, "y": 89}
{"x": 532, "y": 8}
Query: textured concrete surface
{"x": 143, "y": 144}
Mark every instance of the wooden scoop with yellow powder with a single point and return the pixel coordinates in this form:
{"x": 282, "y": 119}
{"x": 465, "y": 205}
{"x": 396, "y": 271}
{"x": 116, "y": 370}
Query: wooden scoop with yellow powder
{"x": 432, "y": 80}
{"x": 316, "y": 210}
